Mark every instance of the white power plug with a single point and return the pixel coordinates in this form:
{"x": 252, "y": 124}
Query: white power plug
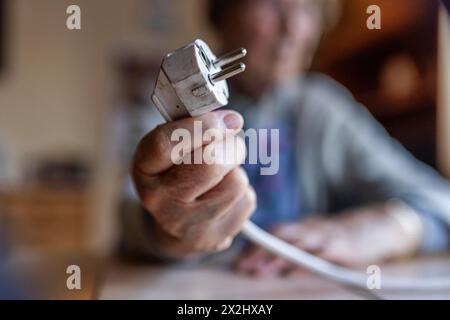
{"x": 192, "y": 82}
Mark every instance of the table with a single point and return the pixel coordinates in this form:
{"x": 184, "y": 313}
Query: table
{"x": 113, "y": 278}
{"x": 212, "y": 281}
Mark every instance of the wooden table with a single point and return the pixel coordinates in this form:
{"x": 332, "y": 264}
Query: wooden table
{"x": 117, "y": 279}
{"x": 213, "y": 281}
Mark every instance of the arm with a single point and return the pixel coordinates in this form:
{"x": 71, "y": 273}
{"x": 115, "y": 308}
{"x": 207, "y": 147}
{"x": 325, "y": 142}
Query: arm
{"x": 365, "y": 165}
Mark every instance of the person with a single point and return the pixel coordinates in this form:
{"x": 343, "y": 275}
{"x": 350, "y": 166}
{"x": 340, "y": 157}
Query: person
{"x": 345, "y": 190}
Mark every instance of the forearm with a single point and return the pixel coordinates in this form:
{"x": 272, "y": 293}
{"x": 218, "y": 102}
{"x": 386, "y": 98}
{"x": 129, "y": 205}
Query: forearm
{"x": 372, "y": 234}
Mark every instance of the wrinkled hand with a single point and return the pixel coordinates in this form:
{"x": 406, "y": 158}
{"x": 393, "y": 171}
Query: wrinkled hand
{"x": 197, "y": 208}
{"x": 357, "y": 238}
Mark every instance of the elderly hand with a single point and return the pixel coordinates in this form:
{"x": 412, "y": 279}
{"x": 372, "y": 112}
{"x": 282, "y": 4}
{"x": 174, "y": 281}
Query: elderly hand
{"x": 356, "y": 238}
{"x": 197, "y": 208}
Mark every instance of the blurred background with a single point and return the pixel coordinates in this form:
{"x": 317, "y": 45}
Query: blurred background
{"x": 68, "y": 100}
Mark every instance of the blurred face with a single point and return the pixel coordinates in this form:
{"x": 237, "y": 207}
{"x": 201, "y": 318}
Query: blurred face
{"x": 280, "y": 36}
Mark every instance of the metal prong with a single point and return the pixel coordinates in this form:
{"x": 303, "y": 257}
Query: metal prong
{"x": 230, "y": 57}
{"x": 228, "y": 72}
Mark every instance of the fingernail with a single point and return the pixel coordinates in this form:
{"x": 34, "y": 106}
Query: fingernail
{"x": 233, "y": 121}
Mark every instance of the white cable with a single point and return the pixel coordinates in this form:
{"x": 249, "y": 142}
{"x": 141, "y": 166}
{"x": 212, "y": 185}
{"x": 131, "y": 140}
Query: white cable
{"x": 332, "y": 271}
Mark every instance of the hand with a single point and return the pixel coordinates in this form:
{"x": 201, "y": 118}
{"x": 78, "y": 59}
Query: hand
{"x": 197, "y": 208}
{"x": 357, "y": 238}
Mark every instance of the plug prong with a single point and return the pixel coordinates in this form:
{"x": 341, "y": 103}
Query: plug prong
{"x": 230, "y": 57}
{"x": 228, "y": 72}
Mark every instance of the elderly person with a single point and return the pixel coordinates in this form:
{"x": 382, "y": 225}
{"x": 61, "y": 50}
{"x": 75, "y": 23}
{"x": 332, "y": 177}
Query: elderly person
{"x": 345, "y": 190}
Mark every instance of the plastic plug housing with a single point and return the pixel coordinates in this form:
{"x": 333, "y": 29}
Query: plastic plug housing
{"x": 192, "y": 81}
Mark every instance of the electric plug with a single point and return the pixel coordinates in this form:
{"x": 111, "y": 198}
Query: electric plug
{"x": 192, "y": 80}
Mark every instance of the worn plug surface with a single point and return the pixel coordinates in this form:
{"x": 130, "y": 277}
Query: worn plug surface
{"x": 192, "y": 80}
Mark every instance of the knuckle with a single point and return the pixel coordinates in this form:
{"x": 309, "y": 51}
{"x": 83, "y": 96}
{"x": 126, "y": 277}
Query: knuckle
{"x": 151, "y": 151}
{"x": 179, "y": 175}
{"x": 158, "y": 142}
{"x": 250, "y": 200}
{"x": 246, "y": 206}
{"x": 235, "y": 184}
{"x": 240, "y": 212}
{"x": 181, "y": 182}
{"x": 171, "y": 216}
{"x": 146, "y": 188}
{"x": 211, "y": 172}
{"x": 148, "y": 198}
{"x": 141, "y": 177}
{"x": 186, "y": 179}
{"x": 239, "y": 178}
